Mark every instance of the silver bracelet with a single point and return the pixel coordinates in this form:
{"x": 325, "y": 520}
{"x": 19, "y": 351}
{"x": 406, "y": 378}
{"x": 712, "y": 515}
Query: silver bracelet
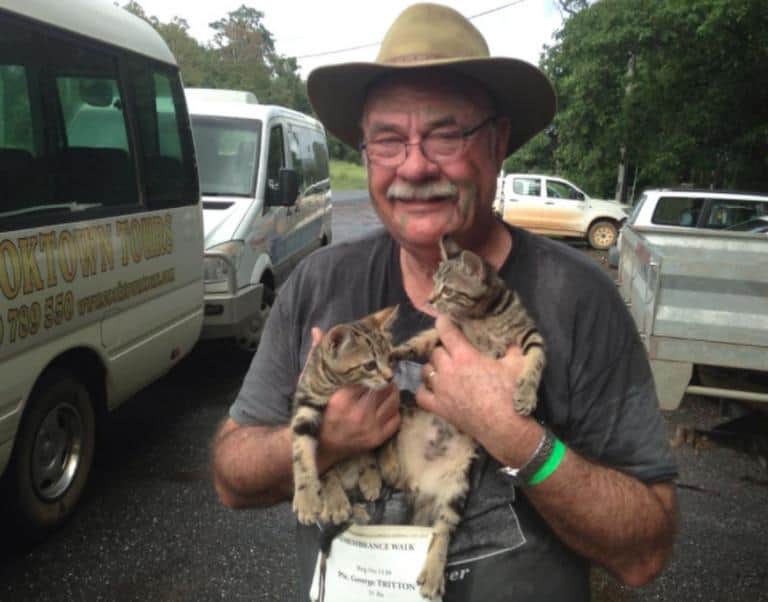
{"x": 538, "y": 458}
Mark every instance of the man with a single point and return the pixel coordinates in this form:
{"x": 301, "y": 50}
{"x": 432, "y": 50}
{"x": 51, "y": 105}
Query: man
{"x": 436, "y": 116}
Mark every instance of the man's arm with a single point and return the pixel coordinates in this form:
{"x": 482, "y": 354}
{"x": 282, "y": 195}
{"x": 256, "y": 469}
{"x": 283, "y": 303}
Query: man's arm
{"x": 607, "y": 516}
{"x": 610, "y": 517}
{"x": 252, "y": 464}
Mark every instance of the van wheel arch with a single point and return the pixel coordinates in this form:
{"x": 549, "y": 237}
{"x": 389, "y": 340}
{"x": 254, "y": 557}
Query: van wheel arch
{"x": 250, "y": 342}
{"x": 55, "y": 445}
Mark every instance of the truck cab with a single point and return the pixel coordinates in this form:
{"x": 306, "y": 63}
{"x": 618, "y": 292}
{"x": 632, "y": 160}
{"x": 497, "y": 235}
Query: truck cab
{"x": 556, "y": 207}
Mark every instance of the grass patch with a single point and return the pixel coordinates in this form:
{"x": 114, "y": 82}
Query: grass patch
{"x": 348, "y": 176}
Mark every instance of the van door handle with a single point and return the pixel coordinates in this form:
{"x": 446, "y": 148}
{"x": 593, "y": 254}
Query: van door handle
{"x": 549, "y": 203}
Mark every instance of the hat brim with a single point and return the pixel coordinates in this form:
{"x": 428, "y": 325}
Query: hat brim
{"x": 520, "y": 91}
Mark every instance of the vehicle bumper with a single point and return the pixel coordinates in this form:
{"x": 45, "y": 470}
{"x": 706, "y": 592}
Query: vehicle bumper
{"x": 232, "y": 314}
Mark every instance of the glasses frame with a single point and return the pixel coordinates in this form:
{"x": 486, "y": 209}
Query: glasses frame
{"x": 402, "y": 156}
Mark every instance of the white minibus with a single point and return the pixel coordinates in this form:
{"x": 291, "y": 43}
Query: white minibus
{"x": 101, "y": 238}
{"x": 266, "y": 189}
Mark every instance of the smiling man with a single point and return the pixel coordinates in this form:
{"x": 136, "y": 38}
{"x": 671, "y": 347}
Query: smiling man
{"x": 588, "y": 479}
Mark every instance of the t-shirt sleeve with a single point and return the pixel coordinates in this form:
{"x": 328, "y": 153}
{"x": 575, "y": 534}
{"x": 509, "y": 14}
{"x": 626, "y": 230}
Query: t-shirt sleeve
{"x": 265, "y": 397}
{"x": 615, "y": 417}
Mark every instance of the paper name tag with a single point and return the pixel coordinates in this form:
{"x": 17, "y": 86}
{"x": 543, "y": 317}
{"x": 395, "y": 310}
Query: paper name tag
{"x": 373, "y": 563}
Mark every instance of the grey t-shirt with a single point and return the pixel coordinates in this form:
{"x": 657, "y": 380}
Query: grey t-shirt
{"x": 597, "y": 395}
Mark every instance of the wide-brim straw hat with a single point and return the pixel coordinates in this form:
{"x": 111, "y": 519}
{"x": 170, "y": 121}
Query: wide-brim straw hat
{"x": 428, "y": 37}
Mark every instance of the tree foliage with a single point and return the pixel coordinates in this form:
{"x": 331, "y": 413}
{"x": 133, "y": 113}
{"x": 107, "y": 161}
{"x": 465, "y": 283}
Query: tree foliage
{"x": 241, "y": 56}
{"x": 682, "y": 86}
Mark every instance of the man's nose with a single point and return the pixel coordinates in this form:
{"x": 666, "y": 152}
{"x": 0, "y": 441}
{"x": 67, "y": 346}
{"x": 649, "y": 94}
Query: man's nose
{"x": 416, "y": 164}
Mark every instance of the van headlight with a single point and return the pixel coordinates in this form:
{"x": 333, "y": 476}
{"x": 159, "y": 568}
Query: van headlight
{"x": 217, "y": 269}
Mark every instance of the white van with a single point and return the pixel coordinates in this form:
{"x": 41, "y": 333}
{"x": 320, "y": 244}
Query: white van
{"x": 101, "y": 238}
{"x": 266, "y": 204}
{"x": 556, "y": 207}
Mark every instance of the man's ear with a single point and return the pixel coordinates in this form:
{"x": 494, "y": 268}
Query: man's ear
{"x": 503, "y": 129}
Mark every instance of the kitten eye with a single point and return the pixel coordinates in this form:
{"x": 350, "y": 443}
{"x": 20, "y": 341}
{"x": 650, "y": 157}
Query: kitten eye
{"x": 370, "y": 366}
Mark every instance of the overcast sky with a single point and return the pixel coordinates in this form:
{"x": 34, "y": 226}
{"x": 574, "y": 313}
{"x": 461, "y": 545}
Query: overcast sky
{"x": 518, "y": 29}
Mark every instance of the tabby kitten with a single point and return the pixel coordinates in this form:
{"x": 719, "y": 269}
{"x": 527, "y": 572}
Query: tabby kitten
{"x": 429, "y": 458}
{"x": 353, "y": 353}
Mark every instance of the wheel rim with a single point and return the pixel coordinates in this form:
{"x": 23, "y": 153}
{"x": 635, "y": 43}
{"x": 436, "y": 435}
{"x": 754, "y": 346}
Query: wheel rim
{"x": 57, "y": 451}
{"x": 603, "y": 236}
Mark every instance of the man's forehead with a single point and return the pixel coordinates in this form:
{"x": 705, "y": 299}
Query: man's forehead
{"x": 429, "y": 97}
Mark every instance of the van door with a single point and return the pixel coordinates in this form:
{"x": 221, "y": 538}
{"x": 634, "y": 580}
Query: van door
{"x": 299, "y": 151}
{"x": 282, "y": 219}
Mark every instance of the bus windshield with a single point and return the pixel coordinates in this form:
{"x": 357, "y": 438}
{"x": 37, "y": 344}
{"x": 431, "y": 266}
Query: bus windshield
{"x": 227, "y": 154}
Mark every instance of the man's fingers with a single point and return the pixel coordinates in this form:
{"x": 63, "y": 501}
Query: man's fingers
{"x": 425, "y": 398}
{"x": 317, "y": 334}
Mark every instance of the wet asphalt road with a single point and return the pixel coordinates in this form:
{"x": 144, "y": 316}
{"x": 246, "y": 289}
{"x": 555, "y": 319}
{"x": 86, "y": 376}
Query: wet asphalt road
{"x": 150, "y": 527}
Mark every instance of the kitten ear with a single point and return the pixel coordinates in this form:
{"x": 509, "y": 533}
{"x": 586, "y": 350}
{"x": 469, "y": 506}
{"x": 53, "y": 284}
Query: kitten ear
{"x": 384, "y": 318}
{"x": 449, "y": 248}
{"x": 336, "y": 337}
{"x": 473, "y": 262}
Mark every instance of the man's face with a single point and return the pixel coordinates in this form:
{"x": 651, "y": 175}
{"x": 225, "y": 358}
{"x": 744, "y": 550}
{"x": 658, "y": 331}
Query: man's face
{"x": 420, "y": 200}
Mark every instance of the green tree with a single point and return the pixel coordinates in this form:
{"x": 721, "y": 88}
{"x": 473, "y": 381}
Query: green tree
{"x": 242, "y": 56}
{"x": 694, "y": 110}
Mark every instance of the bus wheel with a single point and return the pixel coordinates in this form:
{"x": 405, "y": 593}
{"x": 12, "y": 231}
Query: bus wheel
{"x": 53, "y": 453}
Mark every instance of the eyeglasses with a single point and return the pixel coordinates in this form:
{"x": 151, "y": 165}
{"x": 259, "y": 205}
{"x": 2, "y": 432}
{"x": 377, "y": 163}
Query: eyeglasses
{"x": 439, "y": 147}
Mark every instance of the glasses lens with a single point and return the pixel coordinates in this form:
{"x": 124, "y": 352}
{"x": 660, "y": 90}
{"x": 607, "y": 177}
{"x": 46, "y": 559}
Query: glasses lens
{"x": 384, "y": 151}
{"x": 439, "y": 147}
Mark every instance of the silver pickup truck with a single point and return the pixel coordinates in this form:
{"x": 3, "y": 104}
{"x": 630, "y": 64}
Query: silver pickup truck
{"x": 700, "y": 302}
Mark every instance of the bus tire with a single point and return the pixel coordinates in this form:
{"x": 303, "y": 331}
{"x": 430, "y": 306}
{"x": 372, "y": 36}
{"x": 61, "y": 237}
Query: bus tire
{"x": 53, "y": 454}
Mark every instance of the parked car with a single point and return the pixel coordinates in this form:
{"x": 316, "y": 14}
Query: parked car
{"x": 556, "y": 207}
{"x": 264, "y": 179}
{"x": 669, "y": 209}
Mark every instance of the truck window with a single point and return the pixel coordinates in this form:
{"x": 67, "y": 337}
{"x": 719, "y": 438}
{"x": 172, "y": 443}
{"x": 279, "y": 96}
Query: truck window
{"x": 561, "y": 190}
{"x": 677, "y": 211}
{"x": 527, "y": 186}
{"x": 729, "y": 212}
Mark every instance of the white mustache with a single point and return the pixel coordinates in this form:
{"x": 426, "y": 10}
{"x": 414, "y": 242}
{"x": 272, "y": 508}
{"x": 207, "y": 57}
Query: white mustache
{"x": 403, "y": 190}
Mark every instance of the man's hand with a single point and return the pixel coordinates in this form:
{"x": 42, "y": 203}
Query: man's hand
{"x": 357, "y": 419}
{"x": 475, "y": 393}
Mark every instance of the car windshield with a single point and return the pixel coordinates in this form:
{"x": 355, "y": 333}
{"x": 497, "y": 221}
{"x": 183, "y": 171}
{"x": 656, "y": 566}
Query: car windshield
{"x": 227, "y": 154}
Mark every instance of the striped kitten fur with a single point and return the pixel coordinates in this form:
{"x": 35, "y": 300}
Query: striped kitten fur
{"x": 353, "y": 353}
{"x": 428, "y": 457}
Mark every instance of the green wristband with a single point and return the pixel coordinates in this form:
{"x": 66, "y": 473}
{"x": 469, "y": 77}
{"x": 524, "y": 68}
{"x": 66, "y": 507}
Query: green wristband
{"x": 551, "y": 465}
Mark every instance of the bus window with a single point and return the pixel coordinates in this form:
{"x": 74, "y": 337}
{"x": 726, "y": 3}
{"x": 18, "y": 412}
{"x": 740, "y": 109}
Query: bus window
{"x": 166, "y": 149}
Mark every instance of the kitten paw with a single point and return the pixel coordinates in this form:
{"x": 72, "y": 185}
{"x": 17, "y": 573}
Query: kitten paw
{"x": 431, "y": 581}
{"x": 370, "y": 484}
{"x": 360, "y": 515}
{"x": 307, "y": 504}
{"x": 336, "y": 509}
{"x": 525, "y": 397}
